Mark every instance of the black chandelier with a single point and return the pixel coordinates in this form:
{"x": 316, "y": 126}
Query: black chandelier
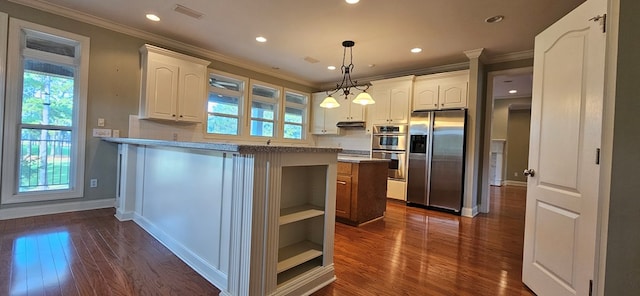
{"x": 345, "y": 86}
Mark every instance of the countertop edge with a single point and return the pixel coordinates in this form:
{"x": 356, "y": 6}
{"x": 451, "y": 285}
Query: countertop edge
{"x": 225, "y": 147}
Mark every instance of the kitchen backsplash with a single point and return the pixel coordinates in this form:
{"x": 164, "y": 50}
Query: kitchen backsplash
{"x": 351, "y": 139}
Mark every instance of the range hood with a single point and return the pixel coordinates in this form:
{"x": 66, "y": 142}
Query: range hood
{"x": 350, "y": 124}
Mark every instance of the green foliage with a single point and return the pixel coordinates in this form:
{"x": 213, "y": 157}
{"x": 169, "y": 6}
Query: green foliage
{"x": 47, "y": 99}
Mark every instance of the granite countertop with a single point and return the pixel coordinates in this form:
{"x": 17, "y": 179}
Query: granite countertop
{"x": 358, "y": 156}
{"x": 227, "y": 147}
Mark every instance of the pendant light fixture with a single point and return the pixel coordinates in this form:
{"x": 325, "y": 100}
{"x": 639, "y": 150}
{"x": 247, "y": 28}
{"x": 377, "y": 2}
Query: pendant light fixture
{"x": 347, "y": 84}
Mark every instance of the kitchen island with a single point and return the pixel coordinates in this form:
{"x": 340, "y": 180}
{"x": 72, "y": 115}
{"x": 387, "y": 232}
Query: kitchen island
{"x": 361, "y": 189}
{"x": 251, "y": 219}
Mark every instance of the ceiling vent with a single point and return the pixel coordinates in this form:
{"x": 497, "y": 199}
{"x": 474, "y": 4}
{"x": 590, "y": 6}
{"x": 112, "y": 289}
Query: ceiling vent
{"x": 188, "y": 11}
{"x": 311, "y": 60}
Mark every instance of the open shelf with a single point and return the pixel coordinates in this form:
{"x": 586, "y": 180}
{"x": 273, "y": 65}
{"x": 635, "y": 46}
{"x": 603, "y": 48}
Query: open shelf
{"x": 294, "y": 255}
{"x": 299, "y": 213}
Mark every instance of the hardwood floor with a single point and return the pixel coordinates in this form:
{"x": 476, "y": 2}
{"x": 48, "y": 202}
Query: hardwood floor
{"x": 412, "y": 251}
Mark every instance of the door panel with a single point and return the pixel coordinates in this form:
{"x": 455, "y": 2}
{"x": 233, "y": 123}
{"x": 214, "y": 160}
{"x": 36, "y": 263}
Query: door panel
{"x": 566, "y": 119}
{"x": 343, "y": 197}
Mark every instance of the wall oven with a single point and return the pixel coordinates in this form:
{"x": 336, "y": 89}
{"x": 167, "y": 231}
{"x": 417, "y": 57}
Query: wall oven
{"x": 390, "y": 142}
{"x": 389, "y": 137}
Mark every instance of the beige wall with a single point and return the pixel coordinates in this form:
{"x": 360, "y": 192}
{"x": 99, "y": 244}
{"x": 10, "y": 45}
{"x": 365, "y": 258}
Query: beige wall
{"x": 623, "y": 242}
{"x": 114, "y": 87}
{"x": 501, "y": 114}
{"x": 518, "y": 144}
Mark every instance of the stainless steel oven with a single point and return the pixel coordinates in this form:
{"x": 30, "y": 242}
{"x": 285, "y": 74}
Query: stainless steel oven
{"x": 397, "y": 162}
{"x": 389, "y": 137}
{"x": 390, "y": 142}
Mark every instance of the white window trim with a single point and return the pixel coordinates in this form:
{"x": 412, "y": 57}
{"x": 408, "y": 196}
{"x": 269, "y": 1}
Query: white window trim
{"x": 4, "y": 35}
{"x": 305, "y": 121}
{"x": 11, "y": 135}
{"x": 277, "y": 119}
{"x": 242, "y": 114}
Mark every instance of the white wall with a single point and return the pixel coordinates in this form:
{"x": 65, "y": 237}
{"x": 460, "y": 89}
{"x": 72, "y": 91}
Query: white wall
{"x": 501, "y": 116}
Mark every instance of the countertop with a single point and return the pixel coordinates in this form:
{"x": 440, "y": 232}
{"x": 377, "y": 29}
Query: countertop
{"x": 359, "y": 159}
{"x": 226, "y": 147}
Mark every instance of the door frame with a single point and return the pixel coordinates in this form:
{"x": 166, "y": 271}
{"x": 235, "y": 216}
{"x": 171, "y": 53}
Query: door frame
{"x": 485, "y": 199}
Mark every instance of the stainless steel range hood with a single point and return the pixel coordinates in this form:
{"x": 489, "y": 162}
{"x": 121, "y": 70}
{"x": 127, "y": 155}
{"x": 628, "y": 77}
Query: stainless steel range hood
{"x": 350, "y": 124}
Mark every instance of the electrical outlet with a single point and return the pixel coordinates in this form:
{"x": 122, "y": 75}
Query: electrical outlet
{"x": 115, "y": 133}
{"x": 101, "y": 122}
{"x": 515, "y": 174}
{"x": 93, "y": 183}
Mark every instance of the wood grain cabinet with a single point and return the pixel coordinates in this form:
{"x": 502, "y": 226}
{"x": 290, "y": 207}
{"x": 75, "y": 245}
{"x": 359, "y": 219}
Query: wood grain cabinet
{"x": 361, "y": 191}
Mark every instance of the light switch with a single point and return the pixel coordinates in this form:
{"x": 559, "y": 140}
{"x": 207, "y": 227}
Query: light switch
{"x": 101, "y": 132}
{"x": 100, "y": 121}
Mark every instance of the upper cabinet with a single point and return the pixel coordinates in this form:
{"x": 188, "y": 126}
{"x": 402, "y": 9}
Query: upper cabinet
{"x": 173, "y": 87}
{"x": 392, "y": 97}
{"x": 441, "y": 91}
{"x": 325, "y": 120}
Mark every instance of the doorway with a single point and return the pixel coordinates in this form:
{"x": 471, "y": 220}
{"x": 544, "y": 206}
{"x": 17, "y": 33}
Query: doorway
{"x": 507, "y": 120}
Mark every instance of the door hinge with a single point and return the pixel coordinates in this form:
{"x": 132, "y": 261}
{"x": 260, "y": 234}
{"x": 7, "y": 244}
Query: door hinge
{"x": 597, "y": 155}
{"x": 602, "y": 19}
{"x": 590, "y": 287}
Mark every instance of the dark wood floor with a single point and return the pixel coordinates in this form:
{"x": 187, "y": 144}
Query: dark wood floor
{"x": 412, "y": 251}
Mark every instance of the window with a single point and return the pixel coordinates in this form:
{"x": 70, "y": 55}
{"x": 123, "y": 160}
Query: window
{"x": 224, "y": 106}
{"x": 295, "y": 115}
{"x": 46, "y": 107}
{"x": 264, "y": 110}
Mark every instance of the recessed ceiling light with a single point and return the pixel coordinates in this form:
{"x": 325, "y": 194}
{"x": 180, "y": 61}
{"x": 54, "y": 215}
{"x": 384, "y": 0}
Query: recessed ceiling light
{"x": 494, "y": 19}
{"x": 352, "y": 1}
{"x": 261, "y": 39}
{"x": 331, "y": 68}
{"x": 513, "y": 91}
{"x": 153, "y": 17}
{"x": 416, "y": 50}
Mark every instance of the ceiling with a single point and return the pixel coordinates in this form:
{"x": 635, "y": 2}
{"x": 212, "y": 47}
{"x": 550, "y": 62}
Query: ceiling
{"x": 305, "y": 36}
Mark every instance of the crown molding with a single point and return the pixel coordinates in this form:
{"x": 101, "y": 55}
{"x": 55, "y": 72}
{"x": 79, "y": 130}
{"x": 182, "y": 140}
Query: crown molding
{"x": 510, "y": 57}
{"x": 151, "y": 37}
{"x": 474, "y": 53}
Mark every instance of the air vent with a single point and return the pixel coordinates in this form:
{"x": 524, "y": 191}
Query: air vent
{"x": 311, "y": 60}
{"x": 188, "y": 11}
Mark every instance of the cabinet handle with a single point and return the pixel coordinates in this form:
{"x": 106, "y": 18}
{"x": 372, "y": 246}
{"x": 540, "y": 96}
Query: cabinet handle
{"x": 180, "y": 116}
{"x": 435, "y": 105}
{"x": 442, "y": 104}
{"x": 342, "y": 182}
{"x": 173, "y": 115}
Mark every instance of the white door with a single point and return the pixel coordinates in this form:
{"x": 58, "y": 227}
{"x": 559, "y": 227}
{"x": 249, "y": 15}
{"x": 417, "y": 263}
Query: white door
{"x": 566, "y": 118}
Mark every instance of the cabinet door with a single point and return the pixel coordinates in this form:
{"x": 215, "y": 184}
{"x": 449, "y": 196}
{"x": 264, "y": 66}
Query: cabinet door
{"x": 353, "y": 112}
{"x": 317, "y": 113}
{"x": 192, "y": 92}
{"x": 162, "y": 90}
{"x": 343, "y": 197}
{"x": 380, "y": 110}
{"x": 453, "y": 95}
{"x": 333, "y": 115}
{"x": 425, "y": 96}
{"x": 399, "y": 105}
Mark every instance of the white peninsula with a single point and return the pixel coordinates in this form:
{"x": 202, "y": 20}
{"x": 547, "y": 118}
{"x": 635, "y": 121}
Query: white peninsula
{"x": 251, "y": 219}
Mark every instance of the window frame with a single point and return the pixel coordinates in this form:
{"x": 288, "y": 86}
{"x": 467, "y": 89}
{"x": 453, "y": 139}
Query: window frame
{"x": 277, "y": 102}
{"x": 305, "y": 109}
{"x": 242, "y": 102}
{"x": 16, "y": 55}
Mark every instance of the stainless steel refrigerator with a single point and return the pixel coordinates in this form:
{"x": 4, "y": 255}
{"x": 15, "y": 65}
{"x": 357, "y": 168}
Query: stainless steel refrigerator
{"x": 435, "y": 176}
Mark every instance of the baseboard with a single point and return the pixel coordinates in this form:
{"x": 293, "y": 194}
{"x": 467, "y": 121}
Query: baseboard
{"x": 63, "y": 207}
{"x": 206, "y": 270}
{"x": 124, "y": 216}
{"x": 515, "y": 183}
{"x": 469, "y": 212}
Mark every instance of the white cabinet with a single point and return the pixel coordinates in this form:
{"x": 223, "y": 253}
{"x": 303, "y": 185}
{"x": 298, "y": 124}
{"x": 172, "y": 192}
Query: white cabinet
{"x": 441, "y": 91}
{"x": 325, "y": 120}
{"x": 392, "y": 98}
{"x": 173, "y": 86}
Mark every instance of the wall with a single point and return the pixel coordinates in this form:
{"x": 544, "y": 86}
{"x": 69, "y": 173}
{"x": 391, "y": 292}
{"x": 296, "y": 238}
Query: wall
{"x": 113, "y": 93}
{"x": 501, "y": 114}
{"x": 622, "y": 257}
{"x": 518, "y": 144}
